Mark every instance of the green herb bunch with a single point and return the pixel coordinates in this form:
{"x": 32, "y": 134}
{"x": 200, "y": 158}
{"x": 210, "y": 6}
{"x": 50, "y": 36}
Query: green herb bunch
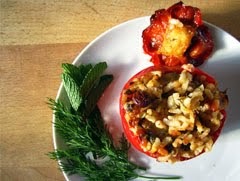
{"x": 89, "y": 148}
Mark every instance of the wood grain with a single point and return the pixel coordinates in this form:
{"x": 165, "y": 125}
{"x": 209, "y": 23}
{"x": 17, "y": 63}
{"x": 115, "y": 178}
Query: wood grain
{"x": 72, "y": 21}
{"x": 29, "y": 74}
{"x": 36, "y": 37}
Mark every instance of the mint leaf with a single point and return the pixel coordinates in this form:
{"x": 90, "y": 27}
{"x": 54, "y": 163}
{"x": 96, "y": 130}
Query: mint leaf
{"x": 84, "y": 69}
{"x": 77, "y": 73}
{"x": 96, "y": 92}
{"x": 78, "y": 81}
{"x": 72, "y": 90}
{"x": 91, "y": 78}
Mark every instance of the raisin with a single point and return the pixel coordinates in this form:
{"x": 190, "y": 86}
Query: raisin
{"x": 169, "y": 148}
{"x": 130, "y": 107}
{"x": 142, "y": 99}
{"x": 185, "y": 147}
{"x": 128, "y": 92}
{"x": 150, "y": 136}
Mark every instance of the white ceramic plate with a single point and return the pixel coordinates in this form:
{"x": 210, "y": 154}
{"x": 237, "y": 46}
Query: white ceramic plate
{"x": 121, "y": 48}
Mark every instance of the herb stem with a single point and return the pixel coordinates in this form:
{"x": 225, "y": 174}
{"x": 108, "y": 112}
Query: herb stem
{"x": 161, "y": 177}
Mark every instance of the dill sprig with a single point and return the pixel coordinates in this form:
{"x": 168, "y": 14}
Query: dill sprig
{"x": 89, "y": 149}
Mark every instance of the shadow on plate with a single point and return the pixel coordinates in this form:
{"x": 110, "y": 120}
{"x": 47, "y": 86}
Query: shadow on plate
{"x": 226, "y": 71}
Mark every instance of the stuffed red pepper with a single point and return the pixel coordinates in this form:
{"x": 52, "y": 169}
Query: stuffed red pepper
{"x": 172, "y": 113}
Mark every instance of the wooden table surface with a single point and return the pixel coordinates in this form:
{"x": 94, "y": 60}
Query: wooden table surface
{"x": 35, "y": 38}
